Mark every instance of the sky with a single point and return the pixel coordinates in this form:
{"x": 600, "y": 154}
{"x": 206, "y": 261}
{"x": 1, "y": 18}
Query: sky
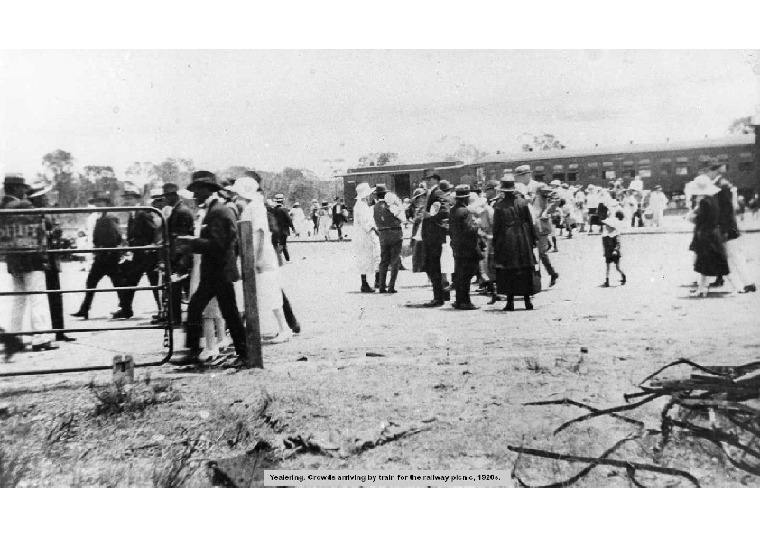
{"x": 323, "y": 110}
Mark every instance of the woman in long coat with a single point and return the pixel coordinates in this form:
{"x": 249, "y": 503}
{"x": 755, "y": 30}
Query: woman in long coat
{"x": 514, "y": 238}
{"x": 365, "y": 239}
{"x": 707, "y": 244}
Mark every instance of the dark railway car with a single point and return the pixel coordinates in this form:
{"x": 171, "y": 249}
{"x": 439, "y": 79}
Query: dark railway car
{"x": 401, "y": 179}
{"x": 671, "y": 164}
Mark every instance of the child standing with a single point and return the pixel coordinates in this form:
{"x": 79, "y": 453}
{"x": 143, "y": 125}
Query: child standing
{"x": 611, "y": 244}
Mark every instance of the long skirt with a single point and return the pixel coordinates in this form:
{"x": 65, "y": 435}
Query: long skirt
{"x": 515, "y": 282}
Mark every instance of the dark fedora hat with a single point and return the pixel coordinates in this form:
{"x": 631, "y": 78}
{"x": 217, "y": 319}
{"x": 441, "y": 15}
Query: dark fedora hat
{"x": 380, "y": 188}
{"x": 100, "y": 195}
{"x": 204, "y": 178}
{"x": 507, "y": 185}
{"x": 444, "y": 185}
{"x": 462, "y": 191}
{"x": 15, "y": 179}
{"x": 170, "y": 187}
{"x": 492, "y": 184}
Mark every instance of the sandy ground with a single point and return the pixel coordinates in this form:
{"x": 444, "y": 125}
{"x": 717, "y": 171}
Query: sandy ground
{"x": 367, "y": 360}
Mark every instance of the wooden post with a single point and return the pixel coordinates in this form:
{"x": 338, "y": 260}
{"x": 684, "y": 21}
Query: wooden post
{"x": 253, "y": 357}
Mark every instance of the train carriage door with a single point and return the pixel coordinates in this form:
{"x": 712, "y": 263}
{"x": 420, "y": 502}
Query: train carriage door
{"x": 402, "y": 185}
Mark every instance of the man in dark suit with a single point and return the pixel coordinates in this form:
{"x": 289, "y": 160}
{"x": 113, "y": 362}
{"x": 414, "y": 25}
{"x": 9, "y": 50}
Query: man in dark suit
{"x": 181, "y": 223}
{"x": 105, "y": 235}
{"x": 435, "y": 228}
{"x": 464, "y": 244}
{"x": 217, "y": 246}
{"x": 38, "y": 197}
{"x": 339, "y": 216}
{"x": 141, "y": 231}
{"x": 388, "y": 213}
{"x": 284, "y": 225}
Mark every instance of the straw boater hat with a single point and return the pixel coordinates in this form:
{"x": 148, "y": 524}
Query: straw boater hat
{"x": 245, "y": 187}
{"x": 100, "y": 195}
{"x": 279, "y": 199}
{"x": 507, "y": 184}
{"x": 556, "y": 183}
{"x": 462, "y": 191}
{"x": 703, "y": 186}
{"x": 38, "y": 189}
{"x": 522, "y": 170}
{"x": 132, "y": 190}
{"x": 363, "y": 190}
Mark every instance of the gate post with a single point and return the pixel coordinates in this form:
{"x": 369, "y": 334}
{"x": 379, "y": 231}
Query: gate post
{"x": 253, "y": 357}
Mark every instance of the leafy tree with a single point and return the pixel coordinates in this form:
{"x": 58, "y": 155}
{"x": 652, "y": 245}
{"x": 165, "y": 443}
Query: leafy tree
{"x": 742, "y": 125}
{"x": 70, "y": 189}
{"x": 377, "y": 159}
{"x": 542, "y": 142}
{"x": 454, "y": 148}
{"x": 102, "y": 177}
{"x": 175, "y": 170}
{"x": 142, "y": 174}
{"x": 232, "y": 172}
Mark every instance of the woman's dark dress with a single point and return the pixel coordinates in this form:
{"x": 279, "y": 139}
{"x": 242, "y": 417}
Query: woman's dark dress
{"x": 707, "y": 243}
{"x": 514, "y": 238}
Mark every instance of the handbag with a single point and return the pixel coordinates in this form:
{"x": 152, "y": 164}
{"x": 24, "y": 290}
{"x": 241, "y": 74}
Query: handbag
{"x": 537, "y": 278}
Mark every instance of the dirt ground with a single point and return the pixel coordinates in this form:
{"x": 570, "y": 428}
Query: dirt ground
{"x": 366, "y": 361}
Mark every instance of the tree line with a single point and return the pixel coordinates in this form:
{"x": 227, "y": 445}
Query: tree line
{"x": 72, "y": 188}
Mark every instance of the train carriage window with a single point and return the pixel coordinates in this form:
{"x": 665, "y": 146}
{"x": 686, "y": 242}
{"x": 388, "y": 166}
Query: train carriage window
{"x": 558, "y": 167}
{"x": 682, "y": 170}
{"x": 572, "y": 167}
{"x": 666, "y": 169}
{"x": 572, "y": 176}
{"x": 630, "y": 174}
{"x": 609, "y": 174}
{"x": 538, "y": 176}
{"x": 644, "y": 173}
{"x": 592, "y": 165}
{"x": 539, "y": 168}
{"x": 558, "y": 176}
{"x": 745, "y": 155}
{"x": 682, "y": 160}
{"x": 645, "y": 162}
{"x": 745, "y": 167}
{"x": 607, "y": 164}
{"x": 628, "y": 163}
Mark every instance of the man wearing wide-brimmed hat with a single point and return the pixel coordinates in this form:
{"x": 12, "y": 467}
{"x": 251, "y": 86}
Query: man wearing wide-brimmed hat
{"x": 282, "y": 230}
{"x": 217, "y": 246}
{"x": 28, "y": 312}
{"x": 38, "y": 197}
{"x": 180, "y": 222}
{"x": 142, "y": 230}
{"x": 464, "y": 244}
{"x": 105, "y": 234}
{"x": 435, "y": 229}
{"x": 388, "y": 213}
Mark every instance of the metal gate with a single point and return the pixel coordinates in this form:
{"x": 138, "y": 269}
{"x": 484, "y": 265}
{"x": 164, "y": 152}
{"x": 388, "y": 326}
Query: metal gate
{"x": 164, "y": 247}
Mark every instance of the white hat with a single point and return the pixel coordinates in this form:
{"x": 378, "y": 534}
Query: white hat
{"x": 245, "y": 187}
{"x": 363, "y": 190}
{"x": 156, "y": 193}
{"x": 38, "y": 189}
{"x": 185, "y": 194}
{"x": 702, "y": 186}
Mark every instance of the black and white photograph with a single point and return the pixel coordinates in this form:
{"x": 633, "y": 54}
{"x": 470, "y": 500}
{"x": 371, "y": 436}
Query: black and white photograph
{"x": 365, "y": 267}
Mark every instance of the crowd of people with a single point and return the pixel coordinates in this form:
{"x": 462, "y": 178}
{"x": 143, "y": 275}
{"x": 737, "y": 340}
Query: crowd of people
{"x": 204, "y": 259}
{"x": 497, "y": 235}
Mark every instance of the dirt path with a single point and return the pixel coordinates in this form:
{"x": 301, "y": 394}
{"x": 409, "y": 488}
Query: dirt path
{"x": 370, "y": 360}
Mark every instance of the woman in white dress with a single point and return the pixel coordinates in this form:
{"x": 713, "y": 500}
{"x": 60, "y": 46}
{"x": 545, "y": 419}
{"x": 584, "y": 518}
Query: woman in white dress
{"x": 365, "y": 240}
{"x": 268, "y": 288}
